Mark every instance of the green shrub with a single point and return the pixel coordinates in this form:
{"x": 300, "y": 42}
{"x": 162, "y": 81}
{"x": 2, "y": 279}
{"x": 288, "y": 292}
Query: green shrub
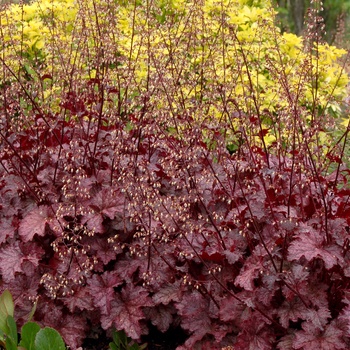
{"x": 222, "y": 56}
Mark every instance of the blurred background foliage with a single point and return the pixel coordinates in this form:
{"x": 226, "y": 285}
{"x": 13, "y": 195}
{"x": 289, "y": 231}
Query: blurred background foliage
{"x": 291, "y": 17}
{"x": 335, "y": 13}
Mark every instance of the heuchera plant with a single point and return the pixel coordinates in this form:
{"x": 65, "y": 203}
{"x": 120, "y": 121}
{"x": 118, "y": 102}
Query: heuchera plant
{"x": 123, "y": 227}
{"x": 118, "y": 212}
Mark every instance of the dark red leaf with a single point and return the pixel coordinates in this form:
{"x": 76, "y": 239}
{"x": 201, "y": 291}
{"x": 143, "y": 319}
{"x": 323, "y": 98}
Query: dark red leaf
{"x": 160, "y": 316}
{"x": 11, "y": 259}
{"x": 310, "y": 244}
{"x": 312, "y": 338}
{"x": 127, "y": 311}
{"x": 102, "y": 290}
{"x": 34, "y": 223}
{"x": 168, "y": 293}
{"x": 193, "y": 310}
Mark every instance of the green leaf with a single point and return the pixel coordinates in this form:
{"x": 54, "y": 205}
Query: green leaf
{"x": 29, "y": 70}
{"x": 129, "y": 126}
{"x": 2, "y": 337}
{"x": 32, "y": 311}
{"x": 11, "y": 336}
{"x": 12, "y": 326}
{"x": 49, "y": 339}
{"x": 10, "y": 344}
{"x": 122, "y": 342}
{"x": 232, "y": 148}
{"x": 112, "y": 346}
{"x": 6, "y": 309}
{"x": 28, "y": 334}
{"x": 134, "y": 347}
{"x": 120, "y": 339}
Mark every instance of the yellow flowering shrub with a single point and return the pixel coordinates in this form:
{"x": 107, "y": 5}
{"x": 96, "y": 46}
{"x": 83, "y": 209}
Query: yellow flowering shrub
{"x": 219, "y": 59}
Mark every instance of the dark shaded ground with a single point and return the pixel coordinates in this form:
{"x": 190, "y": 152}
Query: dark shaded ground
{"x": 156, "y": 340}
{"x": 169, "y": 340}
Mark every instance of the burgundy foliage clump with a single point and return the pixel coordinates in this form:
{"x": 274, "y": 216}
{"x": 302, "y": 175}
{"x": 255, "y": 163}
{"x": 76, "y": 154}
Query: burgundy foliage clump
{"x": 128, "y": 224}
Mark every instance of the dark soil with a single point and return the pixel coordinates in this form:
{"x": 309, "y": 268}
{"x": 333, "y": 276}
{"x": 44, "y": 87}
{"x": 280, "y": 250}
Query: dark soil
{"x": 169, "y": 340}
{"x": 156, "y": 340}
